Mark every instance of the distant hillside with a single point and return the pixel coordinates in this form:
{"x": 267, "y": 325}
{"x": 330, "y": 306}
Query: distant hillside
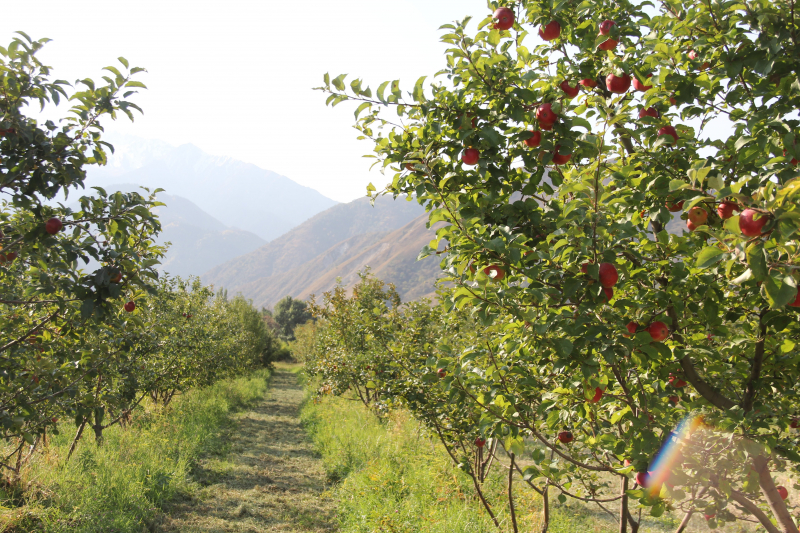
{"x": 311, "y": 238}
{"x": 391, "y": 256}
{"x": 238, "y": 194}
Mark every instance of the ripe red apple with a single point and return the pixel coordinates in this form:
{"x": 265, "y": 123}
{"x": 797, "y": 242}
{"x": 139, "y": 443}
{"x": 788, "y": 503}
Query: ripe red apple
{"x": 605, "y": 27}
{"x": 648, "y": 112}
{"x": 618, "y": 84}
{"x": 674, "y": 399}
{"x": 698, "y": 216}
{"x": 609, "y": 292}
{"x": 674, "y": 207}
{"x": 691, "y": 226}
{"x": 441, "y": 372}
{"x": 471, "y": 156}
{"x": 627, "y": 462}
{"x": 117, "y": 277}
{"x": 642, "y": 478}
{"x": 750, "y": 225}
{"x": 588, "y": 82}
{"x": 598, "y": 393}
{"x": 551, "y": 31}
{"x": 560, "y": 159}
{"x": 793, "y": 161}
{"x": 565, "y": 437}
{"x": 641, "y": 87}
{"x": 608, "y": 275}
{"x": 546, "y": 126}
{"x": 658, "y": 331}
{"x": 494, "y": 272}
{"x": 480, "y": 442}
{"x": 795, "y": 423}
{"x": 608, "y": 44}
{"x": 504, "y": 17}
{"x": 11, "y": 256}
{"x": 710, "y": 516}
{"x": 669, "y": 130}
{"x": 782, "y": 491}
{"x": 796, "y": 302}
{"x": 54, "y": 420}
{"x": 725, "y": 210}
{"x": 53, "y": 225}
{"x": 676, "y": 382}
{"x": 692, "y": 55}
{"x": 632, "y": 327}
{"x": 546, "y": 114}
{"x": 571, "y": 92}
{"x": 130, "y": 306}
{"x": 534, "y": 140}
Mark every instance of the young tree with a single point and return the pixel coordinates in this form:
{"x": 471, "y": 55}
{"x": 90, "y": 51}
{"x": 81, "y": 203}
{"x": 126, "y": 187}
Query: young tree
{"x": 556, "y": 152}
{"x": 290, "y": 313}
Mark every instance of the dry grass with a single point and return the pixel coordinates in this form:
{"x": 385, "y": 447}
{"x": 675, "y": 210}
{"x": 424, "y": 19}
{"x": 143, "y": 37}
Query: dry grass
{"x": 271, "y": 479}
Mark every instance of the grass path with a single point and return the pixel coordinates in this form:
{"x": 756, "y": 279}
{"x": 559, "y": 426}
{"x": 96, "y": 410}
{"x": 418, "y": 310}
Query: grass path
{"x": 270, "y": 479}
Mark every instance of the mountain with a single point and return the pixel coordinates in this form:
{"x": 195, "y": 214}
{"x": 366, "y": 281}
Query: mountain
{"x": 312, "y": 237}
{"x": 238, "y": 194}
{"x": 391, "y": 256}
{"x": 197, "y": 240}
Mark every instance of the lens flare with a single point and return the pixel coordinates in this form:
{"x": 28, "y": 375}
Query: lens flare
{"x": 670, "y": 453}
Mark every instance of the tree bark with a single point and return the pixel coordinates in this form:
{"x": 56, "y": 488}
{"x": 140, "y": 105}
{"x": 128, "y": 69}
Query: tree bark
{"x": 76, "y": 439}
{"x": 774, "y": 500}
{"x": 753, "y": 509}
{"x": 623, "y": 506}
{"x": 511, "y": 494}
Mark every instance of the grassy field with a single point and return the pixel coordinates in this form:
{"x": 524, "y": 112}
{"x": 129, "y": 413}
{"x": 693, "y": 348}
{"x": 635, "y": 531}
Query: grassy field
{"x": 123, "y": 485}
{"x": 393, "y": 478}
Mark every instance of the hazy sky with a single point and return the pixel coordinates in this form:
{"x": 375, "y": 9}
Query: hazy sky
{"x": 234, "y": 77}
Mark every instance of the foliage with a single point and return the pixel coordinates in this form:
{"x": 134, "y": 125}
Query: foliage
{"x": 529, "y": 224}
{"x": 122, "y": 485}
{"x": 290, "y": 313}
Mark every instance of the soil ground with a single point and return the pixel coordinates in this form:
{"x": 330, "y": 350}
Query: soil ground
{"x": 270, "y": 479}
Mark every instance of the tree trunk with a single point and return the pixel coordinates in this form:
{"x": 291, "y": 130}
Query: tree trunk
{"x": 623, "y": 506}
{"x": 77, "y": 438}
{"x": 546, "y": 507}
{"x": 511, "y": 494}
{"x": 774, "y": 500}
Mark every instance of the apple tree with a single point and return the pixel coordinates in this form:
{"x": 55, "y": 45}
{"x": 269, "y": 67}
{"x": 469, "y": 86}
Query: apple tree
{"x": 564, "y": 146}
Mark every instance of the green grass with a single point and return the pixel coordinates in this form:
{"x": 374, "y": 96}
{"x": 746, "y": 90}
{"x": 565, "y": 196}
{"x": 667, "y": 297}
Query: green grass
{"x": 393, "y": 478}
{"x": 122, "y": 486}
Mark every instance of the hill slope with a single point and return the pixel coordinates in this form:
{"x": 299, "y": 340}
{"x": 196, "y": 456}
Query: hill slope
{"x": 312, "y": 238}
{"x": 391, "y": 256}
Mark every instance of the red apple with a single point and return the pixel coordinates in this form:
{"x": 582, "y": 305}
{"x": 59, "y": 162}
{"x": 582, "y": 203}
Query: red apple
{"x": 658, "y": 331}
{"x": 725, "y": 210}
{"x": 551, "y": 31}
{"x": 618, "y": 84}
{"x": 546, "y": 114}
{"x": 565, "y": 437}
{"x": 750, "y": 225}
{"x": 504, "y": 17}
{"x": 642, "y": 478}
{"x": 698, "y": 216}
{"x": 793, "y": 161}
{"x": 782, "y": 491}
{"x": 674, "y": 399}
{"x": 130, "y": 306}
{"x": 480, "y": 442}
{"x": 117, "y": 277}
{"x": 609, "y": 292}
{"x": 649, "y": 112}
{"x": 632, "y": 327}
{"x": 795, "y": 303}
{"x": 571, "y": 92}
{"x": 410, "y": 167}
{"x": 53, "y": 225}
{"x": 692, "y": 55}
{"x": 471, "y": 156}
{"x": 605, "y": 27}
{"x": 498, "y": 272}
{"x": 608, "y": 44}
{"x": 588, "y": 82}
{"x": 669, "y": 130}
{"x": 11, "y": 256}
{"x": 710, "y": 516}
{"x": 534, "y": 140}
{"x": 691, "y": 226}
{"x": 676, "y": 382}
{"x": 546, "y": 126}
{"x": 641, "y": 87}
{"x": 560, "y": 159}
{"x": 795, "y": 423}
{"x": 627, "y": 462}
{"x": 441, "y": 372}
{"x": 608, "y": 275}
{"x": 674, "y": 207}
{"x": 598, "y": 393}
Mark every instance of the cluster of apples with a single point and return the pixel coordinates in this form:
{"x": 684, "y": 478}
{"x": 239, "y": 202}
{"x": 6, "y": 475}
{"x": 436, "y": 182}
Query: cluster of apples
{"x": 658, "y": 330}
{"x": 608, "y": 276}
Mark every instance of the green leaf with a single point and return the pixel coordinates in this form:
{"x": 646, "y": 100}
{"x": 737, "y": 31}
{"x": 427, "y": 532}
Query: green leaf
{"x": 708, "y": 256}
{"x": 780, "y": 289}
{"x": 757, "y": 261}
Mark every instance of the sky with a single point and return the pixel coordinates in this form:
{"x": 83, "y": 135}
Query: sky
{"x": 235, "y": 78}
